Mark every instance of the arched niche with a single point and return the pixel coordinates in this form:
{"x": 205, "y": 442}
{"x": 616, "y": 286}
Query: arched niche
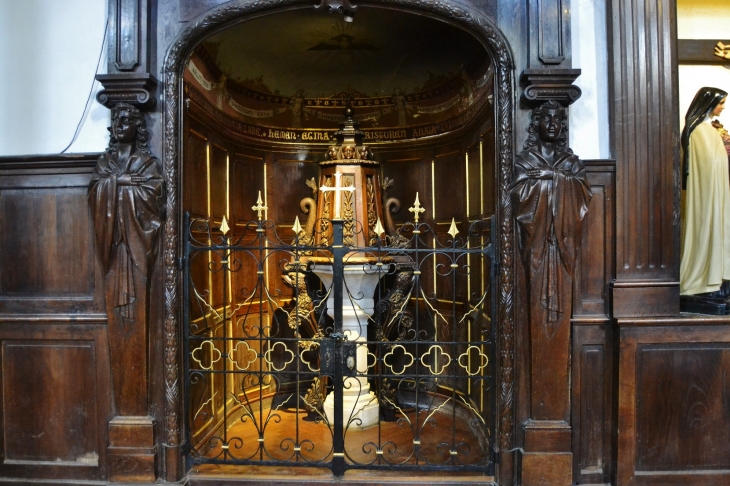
{"x": 502, "y": 108}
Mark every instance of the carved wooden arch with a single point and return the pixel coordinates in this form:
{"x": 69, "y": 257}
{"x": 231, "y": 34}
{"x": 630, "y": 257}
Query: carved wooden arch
{"x": 237, "y": 11}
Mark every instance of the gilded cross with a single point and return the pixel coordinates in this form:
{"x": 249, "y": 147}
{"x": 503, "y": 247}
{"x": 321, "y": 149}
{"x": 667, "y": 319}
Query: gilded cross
{"x": 259, "y": 208}
{"x": 338, "y": 190}
{"x": 416, "y": 209}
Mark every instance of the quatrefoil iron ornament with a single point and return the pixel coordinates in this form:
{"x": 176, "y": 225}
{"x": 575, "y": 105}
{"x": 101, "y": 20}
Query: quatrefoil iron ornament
{"x": 214, "y": 353}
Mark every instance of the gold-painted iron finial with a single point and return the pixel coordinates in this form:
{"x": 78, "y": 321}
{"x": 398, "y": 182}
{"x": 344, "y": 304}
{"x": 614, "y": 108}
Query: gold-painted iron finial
{"x": 224, "y": 226}
{"x": 259, "y": 208}
{"x": 453, "y": 231}
{"x": 417, "y": 209}
{"x": 379, "y": 230}
{"x": 297, "y": 228}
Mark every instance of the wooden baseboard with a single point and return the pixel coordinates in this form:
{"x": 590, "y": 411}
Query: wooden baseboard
{"x": 132, "y": 454}
{"x": 645, "y": 299}
{"x": 547, "y": 469}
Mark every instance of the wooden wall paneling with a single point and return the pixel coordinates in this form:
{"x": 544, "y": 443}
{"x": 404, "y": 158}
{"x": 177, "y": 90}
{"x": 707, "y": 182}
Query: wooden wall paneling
{"x": 217, "y": 283}
{"x": 219, "y": 393}
{"x": 287, "y": 174}
{"x": 674, "y": 390}
{"x": 246, "y": 179}
{"x": 286, "y": 186}
{"x": 478, "y": 270}
{"x": 217, "y": 204}
{"x": 475, "y": 183}
{"x": 195, "y": 170}
{"x": 218, "y": 182}
{"x": 47, "y": 254}
{"x": 55, "y": 400}
{"x": 411, "y": 173}
{"x": 488, "y": 156}
{"x": 595, "y": 268}
{"x": 448, "y": 203}
{"x": 200, "y": 286}
{"x": 37, "y": 235}
{"x": 221, "y": 280}
{"x": 643, "y": 115}
{"x": 592, "y": 401}
{"x": 449, "y": 185}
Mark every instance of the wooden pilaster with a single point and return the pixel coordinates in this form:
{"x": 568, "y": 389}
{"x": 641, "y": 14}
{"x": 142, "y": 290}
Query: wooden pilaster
{"x": 645, "y": 144}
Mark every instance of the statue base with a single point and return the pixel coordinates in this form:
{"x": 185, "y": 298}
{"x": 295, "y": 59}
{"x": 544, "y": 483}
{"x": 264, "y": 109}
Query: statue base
{"x": 695, "y": 304}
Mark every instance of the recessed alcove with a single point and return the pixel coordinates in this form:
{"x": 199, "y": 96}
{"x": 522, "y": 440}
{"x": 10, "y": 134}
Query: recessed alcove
{"x": 263, "y": 100}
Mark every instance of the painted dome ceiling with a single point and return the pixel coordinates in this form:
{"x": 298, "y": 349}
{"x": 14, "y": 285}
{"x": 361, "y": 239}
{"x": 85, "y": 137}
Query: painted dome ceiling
{"x": 287, "y": 76}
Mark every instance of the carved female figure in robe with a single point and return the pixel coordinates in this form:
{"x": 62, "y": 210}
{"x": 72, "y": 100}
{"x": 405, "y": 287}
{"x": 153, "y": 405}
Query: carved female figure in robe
{"x": 550, "y": 197}
{"x": 126, "y": 201}
{"x": 705, "y": 264}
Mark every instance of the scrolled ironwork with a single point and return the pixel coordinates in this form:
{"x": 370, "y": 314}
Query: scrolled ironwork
{"x": 262, "y": 348}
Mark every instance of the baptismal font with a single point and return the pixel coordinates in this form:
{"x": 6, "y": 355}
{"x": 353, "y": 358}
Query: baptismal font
{"x": 347, "y": 217}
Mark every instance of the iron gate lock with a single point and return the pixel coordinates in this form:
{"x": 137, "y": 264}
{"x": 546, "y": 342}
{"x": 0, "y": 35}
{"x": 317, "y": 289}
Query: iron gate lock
{"x": 327, "y": 355}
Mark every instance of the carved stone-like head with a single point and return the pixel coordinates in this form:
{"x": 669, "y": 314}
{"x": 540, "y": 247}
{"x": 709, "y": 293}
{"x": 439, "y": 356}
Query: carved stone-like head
{"x": 549, "y": 123}
{"x": 128, "y": 126}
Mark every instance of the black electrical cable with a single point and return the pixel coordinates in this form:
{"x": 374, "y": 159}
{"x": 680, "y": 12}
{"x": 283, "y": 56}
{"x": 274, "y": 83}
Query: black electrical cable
{"x": 91, "y": 92}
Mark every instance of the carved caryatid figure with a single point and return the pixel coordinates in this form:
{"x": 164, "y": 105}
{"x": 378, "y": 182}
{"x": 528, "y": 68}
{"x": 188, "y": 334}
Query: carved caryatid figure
{"x": 126, "y": 202}
{"x": 550, "y": 197}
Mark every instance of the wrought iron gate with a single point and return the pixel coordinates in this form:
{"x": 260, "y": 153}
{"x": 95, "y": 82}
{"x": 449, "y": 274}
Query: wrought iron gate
{"x": 274, "y": 377}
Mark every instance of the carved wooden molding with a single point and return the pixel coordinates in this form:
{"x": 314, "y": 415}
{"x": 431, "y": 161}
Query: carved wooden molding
{"x": 551, "y": 84}
{"x": 550, "y": 31}
{"x": 128, "y": 36}
{"x": 134, "y": 88}
{"x": 235, "y": 11}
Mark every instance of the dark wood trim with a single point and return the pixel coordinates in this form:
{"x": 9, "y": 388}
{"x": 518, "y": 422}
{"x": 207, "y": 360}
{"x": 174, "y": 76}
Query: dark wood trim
{"x": 699, "y": 51}
{"x": 681, "y": 320}
{"x": 99, "y": 319}
{"x": 48, "y": 161}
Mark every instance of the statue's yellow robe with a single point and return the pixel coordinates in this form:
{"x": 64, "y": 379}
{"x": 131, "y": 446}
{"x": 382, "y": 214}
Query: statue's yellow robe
{"x": 706, "y": 217}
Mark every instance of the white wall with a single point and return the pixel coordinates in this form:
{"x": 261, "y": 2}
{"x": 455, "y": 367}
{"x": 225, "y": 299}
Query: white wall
{"x": 702, "y": 19}
{"x": 48, "y": 56}
{"x": 589, "y": 133}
